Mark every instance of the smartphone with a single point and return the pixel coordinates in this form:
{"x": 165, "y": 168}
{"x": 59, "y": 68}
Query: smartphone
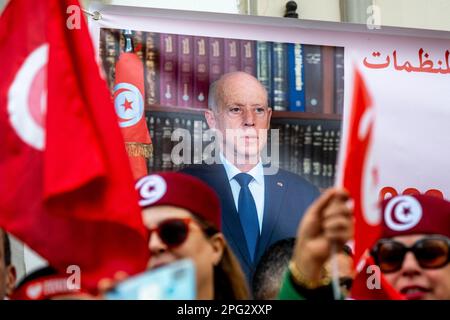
{"x": 174, "y": 281}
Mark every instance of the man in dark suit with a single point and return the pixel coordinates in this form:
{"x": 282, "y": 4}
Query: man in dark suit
{"x": 260, "y": 205}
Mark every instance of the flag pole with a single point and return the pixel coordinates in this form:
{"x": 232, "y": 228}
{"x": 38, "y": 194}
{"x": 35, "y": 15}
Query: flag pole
{"x": 335, "y": 273}
{"x": 95, "y": 15}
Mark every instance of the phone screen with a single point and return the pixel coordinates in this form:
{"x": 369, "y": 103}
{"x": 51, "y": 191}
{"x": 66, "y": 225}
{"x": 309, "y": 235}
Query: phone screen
{"x": 174, "y": 281}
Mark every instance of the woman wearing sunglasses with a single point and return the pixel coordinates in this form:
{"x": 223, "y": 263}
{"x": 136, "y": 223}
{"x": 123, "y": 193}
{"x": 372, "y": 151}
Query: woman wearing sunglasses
{"x": 412, "y": 253}
{"x": 183, "y": 217}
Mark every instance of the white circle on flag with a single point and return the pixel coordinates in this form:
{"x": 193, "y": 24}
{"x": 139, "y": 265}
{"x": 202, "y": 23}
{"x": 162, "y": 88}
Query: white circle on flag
{"x": 151, "y": 189}
{"x": 27, "y": 98}
{"x": 402, "y": 213}
{"x": 34, "y": 291}
{"x": 128, "y": 103}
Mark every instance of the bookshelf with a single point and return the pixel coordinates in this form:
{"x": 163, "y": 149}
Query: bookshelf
{"x": 275, "y": 114}
{"x": 305, "y": 116}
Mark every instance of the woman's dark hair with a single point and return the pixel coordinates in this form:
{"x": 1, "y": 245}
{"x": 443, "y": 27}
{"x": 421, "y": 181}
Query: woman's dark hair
{"x": 271, "y": 268}
{"x": 229, "y": 279}
{"x": 6, "y": 248}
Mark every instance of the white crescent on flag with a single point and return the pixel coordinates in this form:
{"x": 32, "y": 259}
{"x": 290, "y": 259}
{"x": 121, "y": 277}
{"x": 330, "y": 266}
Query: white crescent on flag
{"x": 128, "y": 103}
{"x": 27, "y": 98}
{"x": 370, "y": 181}
{"x": 151, "y": 189}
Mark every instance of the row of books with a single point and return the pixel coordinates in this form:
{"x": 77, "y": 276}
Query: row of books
{"x": 179, "y": 69}
{"x": 308, "y": 150}
{"x": 161, "y": 130}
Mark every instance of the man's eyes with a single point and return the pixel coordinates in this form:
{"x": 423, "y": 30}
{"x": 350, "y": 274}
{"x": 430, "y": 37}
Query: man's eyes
{"x": 235, "y": 109}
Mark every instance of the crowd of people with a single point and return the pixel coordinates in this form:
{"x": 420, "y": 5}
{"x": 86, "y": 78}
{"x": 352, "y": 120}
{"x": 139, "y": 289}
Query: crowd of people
{"x": 254, "y": 234}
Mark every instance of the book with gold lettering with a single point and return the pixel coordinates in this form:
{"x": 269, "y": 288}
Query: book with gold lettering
{"x": 168, "y": 70}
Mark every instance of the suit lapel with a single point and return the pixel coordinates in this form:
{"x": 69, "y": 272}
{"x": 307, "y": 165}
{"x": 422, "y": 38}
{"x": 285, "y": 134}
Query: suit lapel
{"x": 275, "y": 189}
{"x": 230, "y": 217}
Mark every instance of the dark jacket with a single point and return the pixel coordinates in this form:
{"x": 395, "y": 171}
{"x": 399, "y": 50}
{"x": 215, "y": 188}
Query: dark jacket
{"x": 286, "y": 198}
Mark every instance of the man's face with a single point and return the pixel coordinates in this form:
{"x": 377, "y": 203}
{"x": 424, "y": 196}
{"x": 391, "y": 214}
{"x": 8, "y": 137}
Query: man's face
{"x": 7, "y": 273}
{"x": 243, "y": 117}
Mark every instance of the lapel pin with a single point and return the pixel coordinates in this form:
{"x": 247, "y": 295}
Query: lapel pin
{"x": 280, "y": 184}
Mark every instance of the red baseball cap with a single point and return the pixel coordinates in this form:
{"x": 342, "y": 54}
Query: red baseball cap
{"x": 180, "y": 190}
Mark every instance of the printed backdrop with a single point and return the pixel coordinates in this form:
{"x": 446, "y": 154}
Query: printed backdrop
{"x": 406, "y": 71}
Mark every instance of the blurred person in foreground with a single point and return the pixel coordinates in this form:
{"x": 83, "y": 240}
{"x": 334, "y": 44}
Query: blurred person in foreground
{"x": 47, "y": 283}
{"x": 183, "y": 216}
{"x": 7, "y": 270}
{"x": 412, "y": 253}
{"x": 274, "y": 263}
{"x": 271, "y": 268}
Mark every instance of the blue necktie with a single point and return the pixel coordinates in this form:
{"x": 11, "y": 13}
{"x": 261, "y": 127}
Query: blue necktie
{"x": 247, "y": 212}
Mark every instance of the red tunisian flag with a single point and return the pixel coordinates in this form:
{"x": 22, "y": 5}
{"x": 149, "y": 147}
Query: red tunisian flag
{"x": 129, "y": 105}
{"x": 360, "y": 178}
{"x": 66, "y": 188}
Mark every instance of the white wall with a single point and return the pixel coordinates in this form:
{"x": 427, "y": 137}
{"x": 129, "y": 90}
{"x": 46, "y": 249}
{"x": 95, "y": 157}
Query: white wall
{"x": 428, "y": 14}
{"x": 222, "y": 6}
{"x": 327, "y": 10}
{"x": 2, "y": 4}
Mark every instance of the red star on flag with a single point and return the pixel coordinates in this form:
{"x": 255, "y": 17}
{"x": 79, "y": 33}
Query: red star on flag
{"x": 127, "y": 104}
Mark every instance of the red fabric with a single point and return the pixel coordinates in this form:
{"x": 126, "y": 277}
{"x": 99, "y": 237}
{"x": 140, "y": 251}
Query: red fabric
{"x": 355, "y": 160}
{"x": 45, "y": 288}
{"x": 364, "y": 287}
{"x": 72, "y": 200}
{"x": 180, "y": 190}
{"x": 129, "y": 104}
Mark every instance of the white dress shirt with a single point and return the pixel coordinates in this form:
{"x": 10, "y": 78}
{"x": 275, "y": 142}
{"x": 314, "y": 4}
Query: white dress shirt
{"x": 256, "y": 186}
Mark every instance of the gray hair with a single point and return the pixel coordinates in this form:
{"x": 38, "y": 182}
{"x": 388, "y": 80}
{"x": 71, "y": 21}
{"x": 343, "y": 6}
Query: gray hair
{"x": 215, "y": 94}
{"x": 212, "y": 97}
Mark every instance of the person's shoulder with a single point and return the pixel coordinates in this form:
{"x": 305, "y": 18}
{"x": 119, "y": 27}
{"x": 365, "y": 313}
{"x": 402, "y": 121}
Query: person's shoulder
{"x": 298, "y": 182}
{"x": 200, "y": 169}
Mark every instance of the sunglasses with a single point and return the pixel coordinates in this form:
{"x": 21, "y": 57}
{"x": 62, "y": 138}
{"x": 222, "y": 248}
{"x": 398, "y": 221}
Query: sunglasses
{"x": 430, "y": 253}
{"x": 172, "y": 232}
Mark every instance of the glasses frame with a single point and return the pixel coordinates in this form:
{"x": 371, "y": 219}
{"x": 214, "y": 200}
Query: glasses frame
{"x": 376, "y": 249}
{"x": 186, "y": 221}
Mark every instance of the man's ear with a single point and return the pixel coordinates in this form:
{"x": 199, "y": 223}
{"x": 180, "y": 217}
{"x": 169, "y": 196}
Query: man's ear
{"x": 210, "y": 119}
{"x": 11, "y": 277}
{"x": 269, "y": 116}
{"x": 218, "y": 245}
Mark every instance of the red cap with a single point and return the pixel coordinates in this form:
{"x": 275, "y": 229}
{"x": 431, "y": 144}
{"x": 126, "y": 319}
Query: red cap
{"x": 415, "y": 214}
{"x": 180, "y": 190}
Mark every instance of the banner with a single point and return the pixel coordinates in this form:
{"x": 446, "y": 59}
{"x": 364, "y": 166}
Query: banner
{"x": 406, "y": 70}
